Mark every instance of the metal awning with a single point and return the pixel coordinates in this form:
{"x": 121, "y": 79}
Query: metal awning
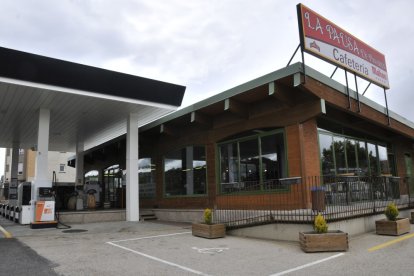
{"x": 86, "y": 103}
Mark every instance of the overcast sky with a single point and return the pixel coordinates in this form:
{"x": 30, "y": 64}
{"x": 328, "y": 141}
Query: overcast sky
{"x": 207, "y": 45}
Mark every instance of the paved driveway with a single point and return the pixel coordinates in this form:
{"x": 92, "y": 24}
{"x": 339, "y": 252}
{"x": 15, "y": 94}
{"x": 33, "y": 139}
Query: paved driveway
{"x": 17, "y": 258}
{"x": 154, "y": 248}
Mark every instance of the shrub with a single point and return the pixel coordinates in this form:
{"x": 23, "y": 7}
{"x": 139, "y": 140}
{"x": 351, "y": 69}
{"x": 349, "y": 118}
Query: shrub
{"x": 207, "y": 216}
{"x": 391, "y": 212}
{"x": 320, "y": 225}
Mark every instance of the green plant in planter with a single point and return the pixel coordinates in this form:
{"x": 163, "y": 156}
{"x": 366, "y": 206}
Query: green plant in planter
{"x": 320, "y": 225}
{"x": 207, "y": 216}
{"x": 391, "y": 212}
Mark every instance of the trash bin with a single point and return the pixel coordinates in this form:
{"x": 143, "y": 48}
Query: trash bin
{"x": 318, "y": 199}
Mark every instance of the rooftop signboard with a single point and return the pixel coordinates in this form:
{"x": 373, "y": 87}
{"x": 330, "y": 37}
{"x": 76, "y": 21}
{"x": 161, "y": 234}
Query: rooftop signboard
{"x": 324, "y": 39}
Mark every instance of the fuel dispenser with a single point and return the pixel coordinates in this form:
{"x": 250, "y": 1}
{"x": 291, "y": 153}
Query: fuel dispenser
{"x": 11, "y": 212}
{"x": 44, "y": 209}
{"x": 16, "y": 214}
{"x": 24, "y": 211}
{"x": 7, "y": 213}
{"x": 12, "y": 199}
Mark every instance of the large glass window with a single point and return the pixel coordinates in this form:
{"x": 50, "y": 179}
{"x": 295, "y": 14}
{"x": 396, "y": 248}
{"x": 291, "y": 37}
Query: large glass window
{"x": 363, "y": 163}
{"x": 146, "y": 176}
{"x": 229, "y": 163}
{"x": 383, "y": 160}
{"x": 326, "y": 151}
{"x": 344, "y": 155}
{"x": 185, "y": 172}
{"x": 249, "y": 164}
{"x": 272, "y": 152}
{"x": 253, "y": 163}
{"x": 340, "y": 161}
{"x": 92, "y": 177}
{"x": 391, "y": 161}
{"x": 372, "y": 157}
{"x": 351, "y": 157}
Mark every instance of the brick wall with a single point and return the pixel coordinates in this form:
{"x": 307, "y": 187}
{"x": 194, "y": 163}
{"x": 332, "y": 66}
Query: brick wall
{"x": 299, "y": 122}
{"x": 209, "y": 137}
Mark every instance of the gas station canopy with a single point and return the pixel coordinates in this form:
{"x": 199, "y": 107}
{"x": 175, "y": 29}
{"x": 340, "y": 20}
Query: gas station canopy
{"x": 86, "y": 104}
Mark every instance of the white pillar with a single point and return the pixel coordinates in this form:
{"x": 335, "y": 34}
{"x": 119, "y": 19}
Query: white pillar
{"x": 79, "y": 178}
{"x": 132, "y": 185}
{"x": 41, "y": 178}
{"x": 79, "y": 164}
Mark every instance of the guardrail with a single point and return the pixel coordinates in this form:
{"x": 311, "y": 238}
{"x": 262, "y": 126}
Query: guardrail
{"x": 298, "y": 200}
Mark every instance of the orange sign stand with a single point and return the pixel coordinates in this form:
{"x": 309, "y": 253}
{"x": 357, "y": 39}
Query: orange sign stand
{"x": 44, "y": 215}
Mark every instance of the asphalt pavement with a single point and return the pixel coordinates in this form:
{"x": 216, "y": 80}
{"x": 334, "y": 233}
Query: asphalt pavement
{"x": 159, "y": 248}
{"x": 17, "y": 258}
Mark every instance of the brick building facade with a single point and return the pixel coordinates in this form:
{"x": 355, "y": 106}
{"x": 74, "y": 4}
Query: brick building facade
{"x": 251, "y": 138}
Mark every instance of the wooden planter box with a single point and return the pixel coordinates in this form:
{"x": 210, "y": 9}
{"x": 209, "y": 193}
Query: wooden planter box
{"x": 392, "y": 228}
{"x": 331, "y": 241}
{"x": 209, "y": 231}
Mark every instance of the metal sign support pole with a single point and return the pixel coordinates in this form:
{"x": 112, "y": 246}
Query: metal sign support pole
{"x": 366, "y": 89}
{"x": 294, "y": 54}
{"x": 386, "y": 106}
{"x": 333, "y": 73}
{"x": 357, "y": 93}
{"x": 303, "y": 66}
{"x": 347, "y": 89}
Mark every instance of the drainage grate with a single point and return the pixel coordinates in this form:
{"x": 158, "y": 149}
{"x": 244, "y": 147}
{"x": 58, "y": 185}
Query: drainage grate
{"x": 74, "y": 231}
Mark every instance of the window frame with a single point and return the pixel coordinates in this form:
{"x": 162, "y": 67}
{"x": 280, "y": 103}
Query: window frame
{"x": 285, "y": 168}
{"x": 164, "y": 194}
{"x": 390, "y": 151}
{"x": 153, "y": 176}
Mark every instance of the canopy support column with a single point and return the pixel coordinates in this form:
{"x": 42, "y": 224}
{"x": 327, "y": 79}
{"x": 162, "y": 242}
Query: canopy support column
{"x": 79, "y": 164}
{"x": 41, "y": 179}
{"x": 132, "y": 185}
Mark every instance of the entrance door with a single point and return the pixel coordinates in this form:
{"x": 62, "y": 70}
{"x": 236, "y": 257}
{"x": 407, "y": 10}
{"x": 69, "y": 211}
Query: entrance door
{"x": 409, "y": 171}
{"x": 114, "y": 190}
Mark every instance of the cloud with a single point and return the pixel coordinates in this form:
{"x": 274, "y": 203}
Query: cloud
{"x": 209, "y": 46}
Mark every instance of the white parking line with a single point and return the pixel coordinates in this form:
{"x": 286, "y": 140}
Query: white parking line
{"x": 158, "y": 259}
{"x": 211, "y": 251}
{"x": 155, "y": 258}
{"x": 308, "y": 265}
{"x": 6, "y": 234}
{"x": 150, "y": 237}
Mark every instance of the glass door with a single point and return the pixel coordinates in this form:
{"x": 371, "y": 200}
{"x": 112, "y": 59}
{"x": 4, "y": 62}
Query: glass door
{"x": 113, "y": 187}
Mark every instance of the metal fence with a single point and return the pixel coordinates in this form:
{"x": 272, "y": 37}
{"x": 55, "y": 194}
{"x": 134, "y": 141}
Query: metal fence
{"x": 299, "y": 200}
